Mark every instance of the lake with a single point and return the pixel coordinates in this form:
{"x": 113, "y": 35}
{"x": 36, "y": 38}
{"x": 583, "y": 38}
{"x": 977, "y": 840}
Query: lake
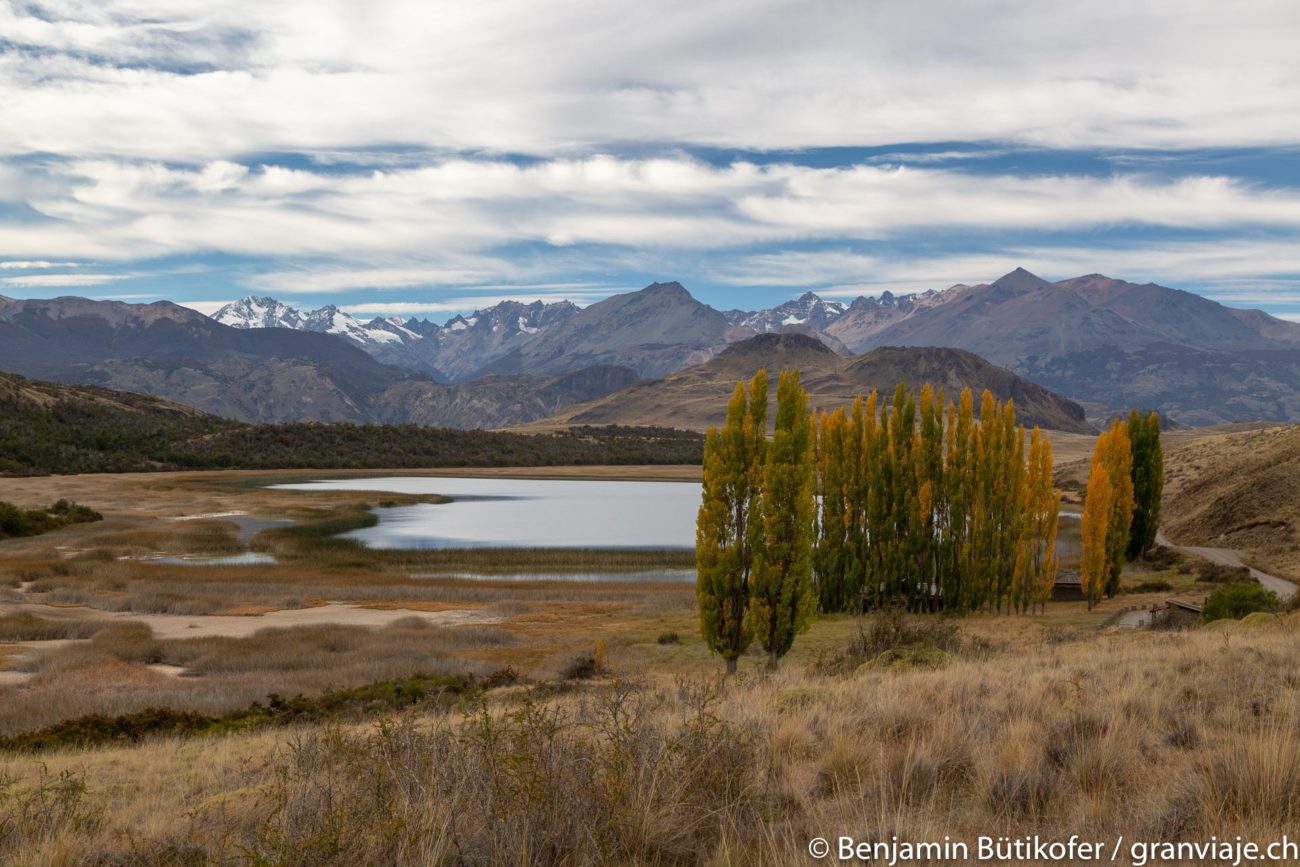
{"x": 527, "y": 513}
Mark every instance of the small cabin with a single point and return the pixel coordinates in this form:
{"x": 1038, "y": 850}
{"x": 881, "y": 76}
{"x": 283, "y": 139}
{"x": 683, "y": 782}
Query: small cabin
{"x": 1068, "y": 587}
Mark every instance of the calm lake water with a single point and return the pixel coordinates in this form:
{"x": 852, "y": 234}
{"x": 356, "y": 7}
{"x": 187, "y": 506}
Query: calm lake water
{"x": 528, "y": 513}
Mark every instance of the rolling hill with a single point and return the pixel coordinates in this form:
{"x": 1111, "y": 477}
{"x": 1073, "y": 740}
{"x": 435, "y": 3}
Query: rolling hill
{"x": 1238, "y": 490}
{"x": 696, "y": 398}
{"x": 56, "y": 428}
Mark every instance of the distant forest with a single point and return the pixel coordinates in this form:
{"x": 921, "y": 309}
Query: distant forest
{"x": 70, "y": 436}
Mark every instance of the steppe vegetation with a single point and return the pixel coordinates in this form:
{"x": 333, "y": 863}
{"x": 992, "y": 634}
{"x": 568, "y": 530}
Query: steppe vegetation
{"x": 980, "y": 726}
{"x": 495, "y": 721}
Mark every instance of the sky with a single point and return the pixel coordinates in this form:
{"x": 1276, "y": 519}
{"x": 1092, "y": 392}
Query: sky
{"x": 418, "y": 158}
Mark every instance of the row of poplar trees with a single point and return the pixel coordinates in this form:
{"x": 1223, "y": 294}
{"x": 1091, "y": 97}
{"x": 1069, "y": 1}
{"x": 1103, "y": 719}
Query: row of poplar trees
{"x": 912, "y": 502}
{"x": 1121, "y": 509}
{"x": 922, "y": 505}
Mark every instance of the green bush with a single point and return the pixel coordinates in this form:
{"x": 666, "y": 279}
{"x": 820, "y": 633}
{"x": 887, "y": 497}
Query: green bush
{"x": 1237, "y": 600}
{"x": 1154, "y": 585}
{"x": 15, "y": 522}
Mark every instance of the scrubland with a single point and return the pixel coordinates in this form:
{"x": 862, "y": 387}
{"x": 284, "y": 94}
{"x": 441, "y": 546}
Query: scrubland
{"x": 583, "y": 723}
{"x": 1016, "y": 727}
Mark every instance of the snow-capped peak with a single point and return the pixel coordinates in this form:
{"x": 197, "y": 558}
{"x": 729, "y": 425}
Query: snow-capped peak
{"x": 259, "y": 312}
{"x": 808, "y": 309}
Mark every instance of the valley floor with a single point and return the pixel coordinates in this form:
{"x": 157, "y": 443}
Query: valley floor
{"x": 579, "y": 723}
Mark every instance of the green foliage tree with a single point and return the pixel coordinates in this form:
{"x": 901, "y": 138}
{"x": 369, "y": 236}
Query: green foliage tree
{"x": 1148, "y": 481}
{"x": 782, "y": 599}
{"x": 729, "y": 526}
{"x": 931, "y": 507}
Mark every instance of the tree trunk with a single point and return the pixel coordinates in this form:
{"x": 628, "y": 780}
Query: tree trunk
{"x": 731, "y": 665}
{"x": 772, "y": 660}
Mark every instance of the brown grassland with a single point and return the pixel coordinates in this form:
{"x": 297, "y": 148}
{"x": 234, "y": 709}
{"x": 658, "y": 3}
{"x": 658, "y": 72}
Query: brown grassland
{"x": 612, "y": 739}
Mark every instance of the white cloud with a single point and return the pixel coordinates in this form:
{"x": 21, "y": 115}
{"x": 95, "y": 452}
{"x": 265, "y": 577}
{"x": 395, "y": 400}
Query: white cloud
{"x": 455, "y": 212}
{"x": 336, "y": 279}
{"x": 207, "y": 308}
{"x": 1238, "y": 273}
{"x": 461, "y": 304}
{"x": 20, "y": 265}
{"x": 224, "y": 80}
{"x": 35, "y": 280}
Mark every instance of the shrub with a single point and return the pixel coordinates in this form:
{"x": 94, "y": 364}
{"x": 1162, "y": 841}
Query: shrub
{"x": 1216, "y": 573}
{"x": 1237, "y": 600}
{"x": 669, "y": 638}
{"x": 1154, "y": 585}
{"x": 1163, "y": 558}
{"x": 893, "y": 637}
{"x": 25, "y": 626}
{"x": 16, "y": 522}
{"x": 581, "y": 667}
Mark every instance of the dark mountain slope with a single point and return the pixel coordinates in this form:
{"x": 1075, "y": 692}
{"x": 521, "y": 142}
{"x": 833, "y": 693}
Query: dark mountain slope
{"x": 1112, "y": 344}
{"x": 696, "y": 398}
{"x": 654, "y": 331}
{"x": 260, "y": 374}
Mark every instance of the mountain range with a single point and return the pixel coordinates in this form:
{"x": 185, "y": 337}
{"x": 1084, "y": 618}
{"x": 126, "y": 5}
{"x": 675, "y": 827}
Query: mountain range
{"x": 1109, "y": 344}
{"x": 264, "y": 374}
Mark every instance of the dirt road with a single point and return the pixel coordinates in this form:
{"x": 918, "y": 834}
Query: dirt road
{"x": 1228, "y": 557}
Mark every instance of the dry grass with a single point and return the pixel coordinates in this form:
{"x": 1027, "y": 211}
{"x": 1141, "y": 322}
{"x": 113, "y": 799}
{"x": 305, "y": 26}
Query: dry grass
{"x": 1239, "y": 490}
{"x": 110, "y": 673}
{"x": 1005, "y": 725}
{"x": 1156, "y": 736}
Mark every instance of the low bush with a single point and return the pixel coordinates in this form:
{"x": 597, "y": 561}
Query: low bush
{"x": 894, "y": 637}
{"x": 1162, "y": 558}
{"x": 15, "y": 522}
{"x": 24, "y": 626}
{"x": 1151, "y": 585}
{"x": 100, "y": 729}
{"x": 1216, "y": 573}
{"x": 1237, "y": 600}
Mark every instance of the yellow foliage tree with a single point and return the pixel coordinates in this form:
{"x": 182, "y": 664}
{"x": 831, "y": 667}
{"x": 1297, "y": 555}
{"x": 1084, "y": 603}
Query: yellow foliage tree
{"x": 1094, "y": 566}
{"x": 1118, "y": 460}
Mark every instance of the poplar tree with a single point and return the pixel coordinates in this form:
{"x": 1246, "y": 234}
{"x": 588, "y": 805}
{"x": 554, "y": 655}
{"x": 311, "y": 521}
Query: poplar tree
{"x": 833, "y": 555}
{"x": 1094, "y": 565}
{"x": 1043, "y": 506}
{"x": 729, "y": 525}
{"x": 926, "y": 507}
{"x": 1148, "y": 481}
{"x": 1119, "y": 465}
{"x": 782, "y": 600}
{"x": 960, "y": 478}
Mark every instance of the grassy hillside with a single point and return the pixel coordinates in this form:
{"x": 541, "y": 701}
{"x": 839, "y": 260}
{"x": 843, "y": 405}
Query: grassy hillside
{"x": 48, "y": 428}
{"x": 1239, "y": 490}
{"x": 696, "y": 398}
